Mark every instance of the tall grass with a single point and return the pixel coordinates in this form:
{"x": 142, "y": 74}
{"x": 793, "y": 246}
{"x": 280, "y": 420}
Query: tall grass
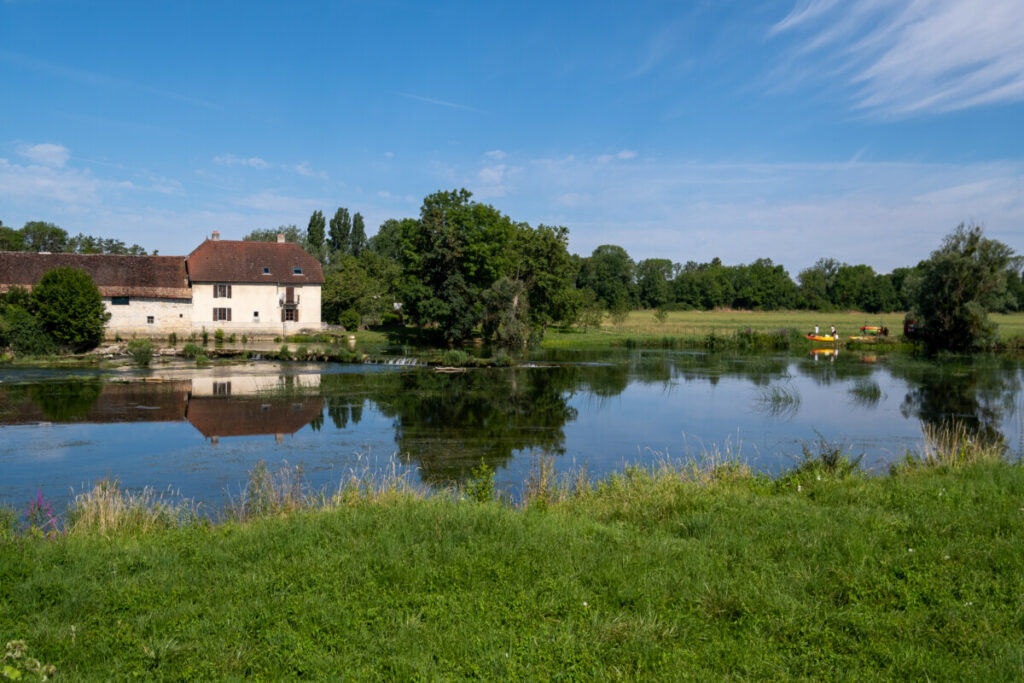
{"x": 952, "y": 445}
{"x": 106, "y": 508}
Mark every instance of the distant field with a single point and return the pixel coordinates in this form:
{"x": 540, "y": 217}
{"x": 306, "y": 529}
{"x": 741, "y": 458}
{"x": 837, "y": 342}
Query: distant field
{"x": 699, "y": 323}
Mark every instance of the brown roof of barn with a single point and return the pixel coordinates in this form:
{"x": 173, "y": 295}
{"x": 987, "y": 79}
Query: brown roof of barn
{"x": 160, "y": 277}
{"x": 238, "y": 261}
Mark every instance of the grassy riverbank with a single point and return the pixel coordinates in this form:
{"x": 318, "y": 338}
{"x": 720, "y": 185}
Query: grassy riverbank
{"x": 693, "y": 328}
{"x": 678, "y": 572}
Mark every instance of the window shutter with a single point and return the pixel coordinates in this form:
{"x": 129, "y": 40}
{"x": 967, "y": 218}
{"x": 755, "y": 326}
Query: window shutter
{"x": 229, "y": 315}
{"x": 296, "y": 315}
{"x": 214, "y": 314}
{"x": 215, "y": 291}
{"x": 229, "y": 291}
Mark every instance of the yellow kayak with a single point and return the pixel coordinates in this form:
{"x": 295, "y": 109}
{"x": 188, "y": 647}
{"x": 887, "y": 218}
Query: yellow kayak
{"x": 828, "y": 338}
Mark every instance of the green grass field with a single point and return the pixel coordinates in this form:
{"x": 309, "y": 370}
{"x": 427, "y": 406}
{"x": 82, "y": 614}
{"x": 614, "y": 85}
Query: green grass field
{"x": 644, "y": 576}
{"x": 701, "y": 323}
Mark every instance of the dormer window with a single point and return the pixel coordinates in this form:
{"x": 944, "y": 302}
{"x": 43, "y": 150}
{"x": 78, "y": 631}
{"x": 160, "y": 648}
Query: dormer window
{"x": 266, "y": 271}
{"x": 297, "y": 271}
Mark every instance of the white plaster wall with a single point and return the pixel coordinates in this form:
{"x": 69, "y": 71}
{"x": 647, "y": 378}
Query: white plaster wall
{"x": 169, "y": 315}
{"x": 247, "y": 299}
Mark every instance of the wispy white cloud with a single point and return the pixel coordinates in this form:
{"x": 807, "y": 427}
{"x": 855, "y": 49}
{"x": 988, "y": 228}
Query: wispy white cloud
{"x": 623, "y": 155}
{"x": 305, "y": 169}
{"x": 45, "y": 153}
{"x": 495, "y": 154}
{"x": 904, "y": 59}
{"x": 441, "y": 103}
{"x": 232, "y": 160}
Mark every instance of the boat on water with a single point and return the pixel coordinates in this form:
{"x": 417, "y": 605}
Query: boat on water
{"x": 871, "y": 333}
{"x": 823, "y": 337}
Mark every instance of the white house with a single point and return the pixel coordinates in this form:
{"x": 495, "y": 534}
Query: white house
{"x": 240, "y": 287}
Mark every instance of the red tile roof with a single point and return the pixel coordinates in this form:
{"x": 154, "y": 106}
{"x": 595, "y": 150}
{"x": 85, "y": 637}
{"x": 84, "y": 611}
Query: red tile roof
{"x": 237, "y": 261}
{"x": 160, "y": 277}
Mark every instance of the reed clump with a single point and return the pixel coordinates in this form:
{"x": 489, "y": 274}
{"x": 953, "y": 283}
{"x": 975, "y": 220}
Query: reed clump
{"x": 107, "y": 508}
{"x": 953, "y": 445}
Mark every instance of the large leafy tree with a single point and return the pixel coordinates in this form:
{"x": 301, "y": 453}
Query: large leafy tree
{"x": 11, "y": 239}
{"x": 457, "y": 250}
{"x": 41, "y": 236}
{"x": 653, "y": 276}
{"x": 548, "y": 272}
{"x": 70, "y": 309}
{"x": 957, "y": 286}
{"x": 608, "y": 272}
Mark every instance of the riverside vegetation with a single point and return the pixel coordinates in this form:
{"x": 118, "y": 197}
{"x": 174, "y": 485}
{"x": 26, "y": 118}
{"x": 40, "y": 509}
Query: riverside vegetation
{"x": 697, "y": 569}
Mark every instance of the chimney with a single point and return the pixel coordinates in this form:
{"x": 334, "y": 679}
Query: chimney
{"x": 280, "y": 238}
{"x": 215, "y": 236}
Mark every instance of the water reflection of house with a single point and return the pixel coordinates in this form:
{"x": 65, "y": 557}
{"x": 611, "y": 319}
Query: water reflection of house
{"x": 216, "y": 406}
{"x": 215, "y": 417}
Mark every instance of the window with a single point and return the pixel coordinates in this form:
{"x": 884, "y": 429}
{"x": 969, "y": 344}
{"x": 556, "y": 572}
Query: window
{"x": 150, "y": 319}
{"x": 222, "y": 291}
{"x": 256, "y": 315}
{"x": 222, "y": 314}
{"x": 119, "y": 301}
{"x": 266, "y": 271}
{"x": 297, "y": 271}
{"x": 222, "y": 388}
{"x": 289, "y": 314}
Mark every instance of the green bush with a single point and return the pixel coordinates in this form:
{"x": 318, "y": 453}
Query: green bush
{"x": 284, "y": 353}
{"x": 218, "y": 336}
{"x": 480, "y": 486}
{"x": 21, "y": 331}
{"x": 206, "y": 337}
{"x": 302, "y": 352}
{"x": 349, "y": 319}
{"x": 191, "y": 350}
{"x": 141, "y": 351}
{"x": 172, "y": 339}
{"x": 70, "y": 309}
{"x": 456, "y": 358}
{"x": 231, "y": 339}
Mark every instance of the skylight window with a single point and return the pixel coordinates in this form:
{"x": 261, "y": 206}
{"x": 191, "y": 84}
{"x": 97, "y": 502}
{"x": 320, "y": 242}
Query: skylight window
{"x": 266, "y": 271}
{"x": 297, "y": 271}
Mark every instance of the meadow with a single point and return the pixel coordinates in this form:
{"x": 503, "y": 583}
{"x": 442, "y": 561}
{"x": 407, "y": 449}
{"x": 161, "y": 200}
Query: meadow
{"x": 642, "y": 324}
{"x": 678, "y": 571}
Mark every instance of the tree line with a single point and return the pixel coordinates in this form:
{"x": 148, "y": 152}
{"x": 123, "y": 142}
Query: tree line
{"x": 464, "y": 268}
{"x": 40, "y": 236}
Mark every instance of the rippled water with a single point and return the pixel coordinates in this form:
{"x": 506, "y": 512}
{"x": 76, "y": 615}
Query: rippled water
{"x": 199, "y": 430}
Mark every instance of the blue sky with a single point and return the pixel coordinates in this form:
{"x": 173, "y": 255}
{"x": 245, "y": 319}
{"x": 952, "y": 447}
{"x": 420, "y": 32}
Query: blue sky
{"x": 862, "y": 130}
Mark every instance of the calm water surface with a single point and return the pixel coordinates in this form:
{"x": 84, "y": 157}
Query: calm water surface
{"x": 198, "y": 431}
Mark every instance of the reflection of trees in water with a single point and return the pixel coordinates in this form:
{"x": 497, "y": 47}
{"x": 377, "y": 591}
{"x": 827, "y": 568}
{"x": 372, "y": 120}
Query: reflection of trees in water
{"x": 67, "y": 401}
{"x": 978, "y": 391}
{"x": 447, "y": 423}
{"x": 825, "y": 372}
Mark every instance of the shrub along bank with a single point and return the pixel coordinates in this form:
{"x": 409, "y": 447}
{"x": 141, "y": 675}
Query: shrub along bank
{"x": 676, "y": 572}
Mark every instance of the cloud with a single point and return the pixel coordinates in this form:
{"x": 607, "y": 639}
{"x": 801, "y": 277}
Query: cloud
{"x": 496, "y": 154}
{"x": 441, "y": 103}
{"x": 909, "y": 59}
{"x": 232, "y": 160}
{"x": 46, "y": 153}
{"x": 25, "y": 184}
{"x": 619, "y": 156}
{"x": 304, "y": 169}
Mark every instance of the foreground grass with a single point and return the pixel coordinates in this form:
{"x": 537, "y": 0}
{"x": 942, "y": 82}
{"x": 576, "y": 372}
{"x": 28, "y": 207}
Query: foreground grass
{"x": 664, "y": 574}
